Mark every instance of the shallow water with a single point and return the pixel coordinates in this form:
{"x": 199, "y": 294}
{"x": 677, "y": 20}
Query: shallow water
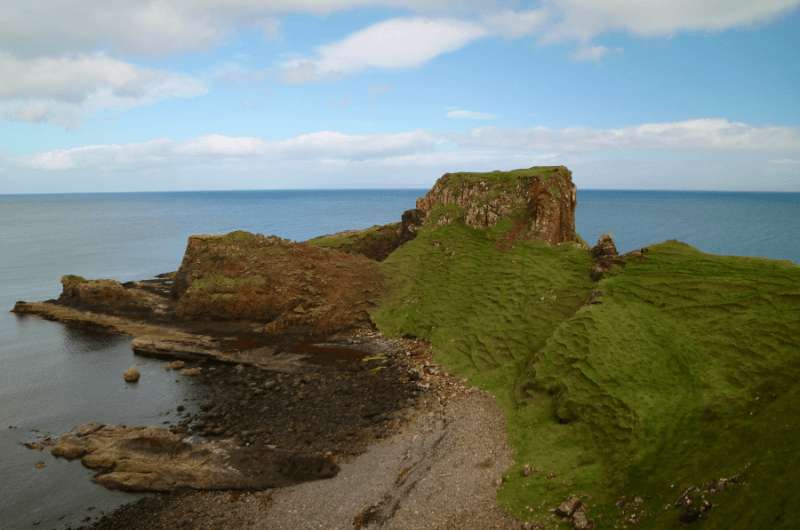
{"x": 53, "y": 377}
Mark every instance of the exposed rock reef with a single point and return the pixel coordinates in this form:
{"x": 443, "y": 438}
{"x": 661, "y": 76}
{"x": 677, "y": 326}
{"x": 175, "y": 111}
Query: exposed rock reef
{"x": 154, "y": 459}
{"x": 540, "y": 201}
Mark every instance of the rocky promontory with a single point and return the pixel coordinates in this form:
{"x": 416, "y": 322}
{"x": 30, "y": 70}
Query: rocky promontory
{"x": 539, "y": 202}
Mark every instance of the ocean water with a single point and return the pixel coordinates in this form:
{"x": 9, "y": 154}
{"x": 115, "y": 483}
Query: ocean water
{"x": 53, "y": 377}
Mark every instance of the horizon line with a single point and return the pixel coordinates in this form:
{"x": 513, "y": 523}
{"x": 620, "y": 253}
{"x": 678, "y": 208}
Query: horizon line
{"x": 233, "y": 190}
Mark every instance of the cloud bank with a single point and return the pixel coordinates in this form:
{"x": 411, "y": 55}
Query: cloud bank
{"x": 157, "y": 28}
{"x": 60, "y": 89}
{"x": 59, "y": 60}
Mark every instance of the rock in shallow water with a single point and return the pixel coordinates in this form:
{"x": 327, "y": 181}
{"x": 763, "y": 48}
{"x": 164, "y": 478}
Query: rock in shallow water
{"x": 131, "y": 375}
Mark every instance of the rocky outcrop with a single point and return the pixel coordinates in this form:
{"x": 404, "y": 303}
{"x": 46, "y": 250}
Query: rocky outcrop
{"x": 111, "y": 296}
{"x": 155, "y": 459}
{"x": 289, "y": 287}
{"x": 605, "y": 256}
{"x": 539, "y": 202}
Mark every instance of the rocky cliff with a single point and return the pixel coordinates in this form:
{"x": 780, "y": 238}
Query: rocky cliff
{"x": 539, "y": 202}
{"x": 291, "y": 287}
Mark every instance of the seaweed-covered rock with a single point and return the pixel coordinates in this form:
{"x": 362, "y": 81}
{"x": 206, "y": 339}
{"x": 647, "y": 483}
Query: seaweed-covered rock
{"x": 539, "y": 201}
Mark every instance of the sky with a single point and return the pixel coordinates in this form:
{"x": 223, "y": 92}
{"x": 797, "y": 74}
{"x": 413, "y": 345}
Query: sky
{"x": 149, "y": 95}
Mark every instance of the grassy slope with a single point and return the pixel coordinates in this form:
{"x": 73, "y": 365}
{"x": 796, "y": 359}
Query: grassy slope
{"x": 654, "y": 387}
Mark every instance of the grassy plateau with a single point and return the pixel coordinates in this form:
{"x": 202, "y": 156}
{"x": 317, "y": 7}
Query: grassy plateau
{"x": 675, "y": 371}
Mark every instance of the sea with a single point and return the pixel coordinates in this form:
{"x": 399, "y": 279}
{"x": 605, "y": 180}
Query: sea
{"x": 53, "y": 377}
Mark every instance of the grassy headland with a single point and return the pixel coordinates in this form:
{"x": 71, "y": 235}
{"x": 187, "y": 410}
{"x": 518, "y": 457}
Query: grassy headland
{"x": 675, "y": 371}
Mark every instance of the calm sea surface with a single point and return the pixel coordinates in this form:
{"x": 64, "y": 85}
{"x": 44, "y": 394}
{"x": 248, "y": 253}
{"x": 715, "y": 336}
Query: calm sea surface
{"x": 52, "y": 377}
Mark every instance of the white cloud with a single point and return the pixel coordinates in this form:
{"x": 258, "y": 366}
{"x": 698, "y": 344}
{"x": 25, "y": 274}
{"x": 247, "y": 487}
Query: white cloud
{"x": 107, "y": 155}
{"x": 391, "y": 44}
{"x": 462, "y": 114}
{"x": 692, "y": 135}
{"x": 590, "y": 53}
{"x": 513, "y": 24}
{"x": 61, "y": 88}
{"x": 221, "y": 145}
{"x": 159, "y": 27}
{"x": 695, "y": 154}
{"x": 323, "y": 145}
{"x": 330, "y": 144}
{"x": 703, "y": 137}
{"x": 586, "y": 19}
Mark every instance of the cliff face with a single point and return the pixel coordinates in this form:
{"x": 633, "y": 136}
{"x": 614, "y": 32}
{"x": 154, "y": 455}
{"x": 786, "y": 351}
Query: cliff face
{"x": 540, "y": 201}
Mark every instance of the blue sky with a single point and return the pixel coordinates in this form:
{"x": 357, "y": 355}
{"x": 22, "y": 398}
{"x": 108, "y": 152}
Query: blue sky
{"x": 256, "y": 94}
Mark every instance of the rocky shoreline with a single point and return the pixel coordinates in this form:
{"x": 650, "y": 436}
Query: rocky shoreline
{"x": 293, "y": 412}
{"x": 298, "y": 386}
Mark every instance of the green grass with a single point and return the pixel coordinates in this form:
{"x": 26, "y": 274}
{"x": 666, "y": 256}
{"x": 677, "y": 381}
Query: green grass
{"x": 683, "y": 374}
{"x": 498, "y": 177}
{"x": 354, "y": 239}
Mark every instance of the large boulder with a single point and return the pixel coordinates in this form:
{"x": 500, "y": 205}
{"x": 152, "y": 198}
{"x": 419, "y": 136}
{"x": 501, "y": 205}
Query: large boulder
{"x": 291, "y": 287}
{"x": 540, "y": 201}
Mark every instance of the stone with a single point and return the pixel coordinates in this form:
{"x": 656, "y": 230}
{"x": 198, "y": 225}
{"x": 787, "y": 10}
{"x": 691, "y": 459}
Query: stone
{"x": 580, "y": 521}
{"x": 192, "y": 372}
{"x": 568, "y": 507}
{"x": 414, "y": 374}
{"x": 526, "y": 470}
{"x": 131, "y": 375}
{"x": 176, "y": 365}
